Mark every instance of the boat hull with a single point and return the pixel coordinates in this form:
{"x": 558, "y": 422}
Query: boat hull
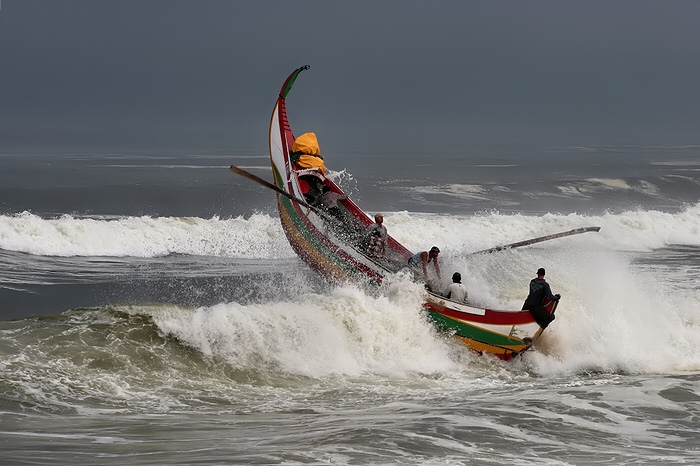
{"x": 504, "y": 334}
{"x": 306, "y": 229}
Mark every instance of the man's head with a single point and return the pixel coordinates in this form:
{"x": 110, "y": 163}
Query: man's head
{"x": 457, "y": 277}
{"x": 379, "y": 218}
{"x": 434, "y": 251}
{"x": 540, "y": 272}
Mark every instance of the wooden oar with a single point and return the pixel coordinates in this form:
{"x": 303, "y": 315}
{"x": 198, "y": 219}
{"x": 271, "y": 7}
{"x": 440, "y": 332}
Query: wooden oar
{"x": 269, "y": 185}
{"x": 527, "y": 242}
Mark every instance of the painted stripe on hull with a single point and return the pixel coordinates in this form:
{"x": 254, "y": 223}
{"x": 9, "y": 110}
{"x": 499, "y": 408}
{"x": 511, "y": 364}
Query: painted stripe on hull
{"x": 315, "y": 249}
{"x": 488, "y": 316}
{"x": 308, "y": 250}
{"x": 472, "y": 332}
{"x": 505, "y": 353}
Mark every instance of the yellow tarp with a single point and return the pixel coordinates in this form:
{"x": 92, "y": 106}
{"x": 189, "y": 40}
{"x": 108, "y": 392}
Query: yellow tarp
{"x": 309, "y": 161}
{"x": 307, "y": 146}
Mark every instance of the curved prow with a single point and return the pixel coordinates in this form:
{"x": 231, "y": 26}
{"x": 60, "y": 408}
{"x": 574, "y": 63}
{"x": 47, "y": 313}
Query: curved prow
{"x": 281, "y": 136}
{"x": 287, "y": 86}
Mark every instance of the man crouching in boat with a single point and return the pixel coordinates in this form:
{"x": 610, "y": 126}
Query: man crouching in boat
{"x": 539, "y": 290}
{"x": 423, "y": 258}
{"x": 376, "y": 237}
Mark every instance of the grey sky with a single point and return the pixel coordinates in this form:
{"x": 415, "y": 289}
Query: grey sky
{"x": 202, "y": 76}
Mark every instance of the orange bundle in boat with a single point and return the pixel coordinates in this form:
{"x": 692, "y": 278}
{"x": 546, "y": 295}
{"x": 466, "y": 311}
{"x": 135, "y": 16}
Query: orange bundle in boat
{"x": 306, "y": 153}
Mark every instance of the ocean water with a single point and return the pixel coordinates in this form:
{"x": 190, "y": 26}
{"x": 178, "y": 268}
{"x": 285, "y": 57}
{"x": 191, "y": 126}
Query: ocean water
{"x": 152, "y": 312}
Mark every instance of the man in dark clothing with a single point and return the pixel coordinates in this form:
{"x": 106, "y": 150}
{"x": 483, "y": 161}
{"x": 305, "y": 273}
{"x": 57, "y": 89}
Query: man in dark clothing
{"x": 539, "y": 290}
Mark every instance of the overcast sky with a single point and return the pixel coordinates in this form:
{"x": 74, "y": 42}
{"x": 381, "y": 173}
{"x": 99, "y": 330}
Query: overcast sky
{"x": 202, "y": 76}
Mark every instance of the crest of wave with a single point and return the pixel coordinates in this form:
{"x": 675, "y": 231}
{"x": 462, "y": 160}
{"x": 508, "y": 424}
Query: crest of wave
{"x": 344, "y": 332}
{"x": 638, "y": 230}
{"x": 257, "y": 237}
{"x": 614, "y": 317}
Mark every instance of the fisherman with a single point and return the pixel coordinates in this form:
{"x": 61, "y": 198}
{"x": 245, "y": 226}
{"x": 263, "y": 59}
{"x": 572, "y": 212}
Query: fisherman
{"x": 539, "y": 290}
{"x": 376, "y": 237}
{"x": 424, "y": 258}
{"x": 456, "y": 291}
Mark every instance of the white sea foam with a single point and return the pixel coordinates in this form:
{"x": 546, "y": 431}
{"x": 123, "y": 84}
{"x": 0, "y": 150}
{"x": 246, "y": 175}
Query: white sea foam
{"x": 463, "y": 191}
{"x": 633, "y": 230}
{"x": 617, "y": 317}
{"x": 261, "y": 236}
{"x": 611, "y": 318}
{"x": 614, "y": 315}
{"x": 598, "y": 185}
{"x": 345, "y": 332}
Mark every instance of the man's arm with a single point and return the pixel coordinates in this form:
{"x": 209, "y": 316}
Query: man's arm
{"x": 548, "y": 292}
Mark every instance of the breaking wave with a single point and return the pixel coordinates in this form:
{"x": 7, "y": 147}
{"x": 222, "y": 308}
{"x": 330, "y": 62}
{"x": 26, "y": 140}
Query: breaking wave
{"x": 618, "y": 313}
{"x": 258, "y": 236}
{"x": 261, "y": 237}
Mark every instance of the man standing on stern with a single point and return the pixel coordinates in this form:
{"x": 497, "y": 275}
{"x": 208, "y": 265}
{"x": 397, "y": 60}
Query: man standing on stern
{"x": 539, "y": 290}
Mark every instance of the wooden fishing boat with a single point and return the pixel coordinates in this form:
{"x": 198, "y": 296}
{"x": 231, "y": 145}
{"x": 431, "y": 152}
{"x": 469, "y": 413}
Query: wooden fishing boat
{"x": 332, "y": 242}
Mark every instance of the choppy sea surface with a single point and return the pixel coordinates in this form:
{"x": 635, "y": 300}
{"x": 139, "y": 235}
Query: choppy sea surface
{"x": 152, "y": 312}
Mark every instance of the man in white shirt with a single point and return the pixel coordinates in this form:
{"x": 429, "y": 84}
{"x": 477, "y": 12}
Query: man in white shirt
{"x": 456, "y": 291}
